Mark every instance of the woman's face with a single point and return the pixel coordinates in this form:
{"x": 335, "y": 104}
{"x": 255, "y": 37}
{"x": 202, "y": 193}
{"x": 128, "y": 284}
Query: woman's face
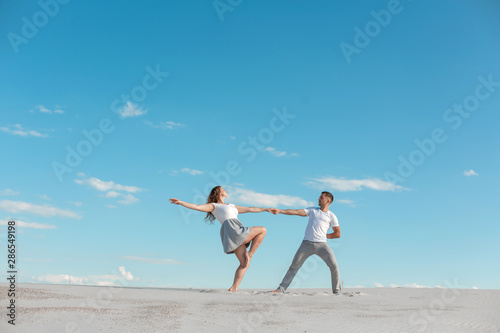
{"x": 223, "y": 193}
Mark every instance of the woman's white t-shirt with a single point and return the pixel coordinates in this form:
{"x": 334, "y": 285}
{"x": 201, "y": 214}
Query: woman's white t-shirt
{"x": 319, "y": 223}
{"x": 223, "y": 212}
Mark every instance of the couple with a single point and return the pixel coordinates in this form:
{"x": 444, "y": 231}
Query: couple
{"x": 236, "y": 238}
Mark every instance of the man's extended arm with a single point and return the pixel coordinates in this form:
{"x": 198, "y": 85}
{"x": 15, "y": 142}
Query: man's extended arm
{"x": 299, "y": 212}
{"x": 243, "y": 209}
{"x": 334, "y": 234}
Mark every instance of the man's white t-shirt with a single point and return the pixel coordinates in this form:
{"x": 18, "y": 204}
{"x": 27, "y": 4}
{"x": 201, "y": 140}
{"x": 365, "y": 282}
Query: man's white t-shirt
{"x": 319, "y": 223}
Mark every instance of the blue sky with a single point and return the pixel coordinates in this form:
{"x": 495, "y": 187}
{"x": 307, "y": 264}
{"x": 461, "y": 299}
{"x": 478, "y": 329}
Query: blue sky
{"x": 108, "y": 111}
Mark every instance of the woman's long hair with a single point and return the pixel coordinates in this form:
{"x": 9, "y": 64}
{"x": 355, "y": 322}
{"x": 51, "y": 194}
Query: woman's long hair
{"x": 214, "y": 196}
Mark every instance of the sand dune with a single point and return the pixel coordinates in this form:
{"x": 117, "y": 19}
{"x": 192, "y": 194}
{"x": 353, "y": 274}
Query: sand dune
{"x": 63, "y": 308}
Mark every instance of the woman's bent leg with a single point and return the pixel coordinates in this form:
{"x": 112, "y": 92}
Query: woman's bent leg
{"x": 242, "y": 255}
{"x": 256, "y": 237}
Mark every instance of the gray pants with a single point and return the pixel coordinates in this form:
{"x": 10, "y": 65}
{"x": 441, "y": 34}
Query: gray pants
{"x": 305, "y": 250}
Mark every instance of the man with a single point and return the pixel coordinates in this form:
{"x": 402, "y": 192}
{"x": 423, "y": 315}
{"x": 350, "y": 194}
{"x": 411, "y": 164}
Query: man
{"x": 320, "y": 220}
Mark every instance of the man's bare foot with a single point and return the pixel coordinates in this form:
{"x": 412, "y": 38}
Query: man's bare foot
{"x": 232, "y": 290}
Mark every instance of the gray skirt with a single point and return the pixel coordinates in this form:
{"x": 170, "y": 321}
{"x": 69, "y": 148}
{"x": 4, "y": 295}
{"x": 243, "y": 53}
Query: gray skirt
{"x": 233, "y": 234}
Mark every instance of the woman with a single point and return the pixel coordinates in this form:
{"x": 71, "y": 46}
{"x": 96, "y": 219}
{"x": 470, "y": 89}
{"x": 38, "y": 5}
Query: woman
{"x": 234, "y": 236}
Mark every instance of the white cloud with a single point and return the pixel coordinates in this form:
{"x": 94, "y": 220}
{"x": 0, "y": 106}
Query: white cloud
{"x": 19, "y": 130}
{"x": 111, "y": 206}
{"x": 278, "y": 153}
{"x": 131, "y": 110}
{"x": 415, "y": 285}
{"x": 249, "y": 197}
{"x": 45, "y": 197}
{"x": 106, "y": 284}
{"x": 170, "y": 125}
{"x": 127, "y": 275}
{"x": 105, "y": 276}
{"x": 76, "y": 203}
{"x": 128, "y": 199}
{"x": 62, "y": 278}
{"x": 45, "y": 210}
{"x": 341, "y": 184}
{"x": 99, "y": 280}
{"x": 155, "y": 261}
{"x": 470, "y": 173}
{"x": 346, "y": 202}
{"x": 43, "y": 109}
{"x": 105, "y": 186}
{"x": 191, "y": 171}
{"x": 112, "y": 194}
{"x": 112, "y": 189}
{"x": 29, "y": 224}
{"x": 8, "y": 192}
{"x": 378, "y": 285}
{"x": 92, "y": 280}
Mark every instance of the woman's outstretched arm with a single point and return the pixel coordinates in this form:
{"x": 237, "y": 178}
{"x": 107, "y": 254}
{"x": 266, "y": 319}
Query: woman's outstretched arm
{"x": 243, "y": 209}
{"x": 207, "y": 208}
{"x": 299, "y": 212}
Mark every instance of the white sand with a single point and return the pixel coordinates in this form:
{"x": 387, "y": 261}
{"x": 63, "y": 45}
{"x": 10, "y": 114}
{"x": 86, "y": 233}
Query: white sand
{"x": 62, "y": 308}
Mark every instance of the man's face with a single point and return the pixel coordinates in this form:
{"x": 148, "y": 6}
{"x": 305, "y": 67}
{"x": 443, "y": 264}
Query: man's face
{"x": 323, "y": 200}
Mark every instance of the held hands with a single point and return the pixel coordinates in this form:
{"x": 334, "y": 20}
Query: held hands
{"x": 275, "y": 211}
{"x": 175, "y": 201}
